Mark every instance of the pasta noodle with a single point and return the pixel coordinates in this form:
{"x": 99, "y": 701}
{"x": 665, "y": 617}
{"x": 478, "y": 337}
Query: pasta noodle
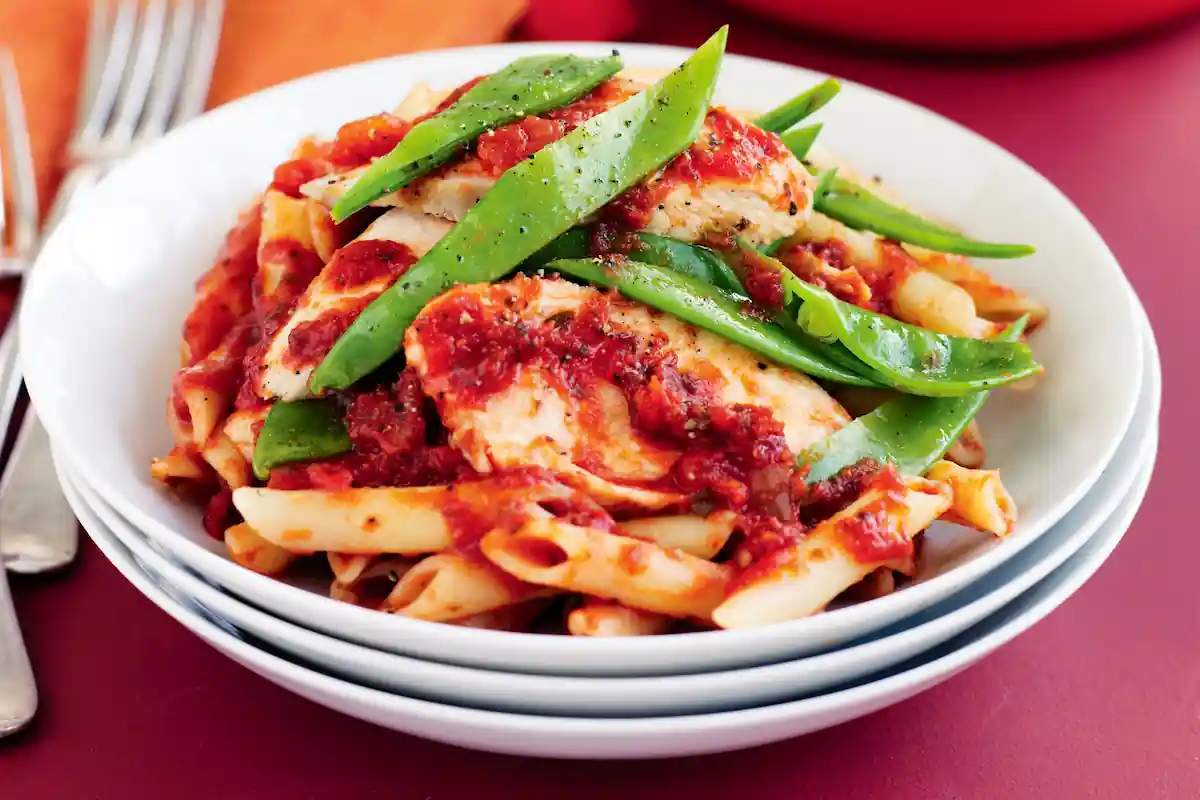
{"x": 447, "y": 586}
{"x": 365, "y": 521}
{"x": 805, "y": 577}
{"x": 602, "y": 618}
{"x": 698, "y": 536}
{"x": 980, "y": 499}
{"x": 633, "y": 572}
{"x": 255, "y": 553}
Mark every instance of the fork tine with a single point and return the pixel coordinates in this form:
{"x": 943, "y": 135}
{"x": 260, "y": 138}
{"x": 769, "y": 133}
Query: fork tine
{"x": 108, "y": 83}
{"x": 138, "y": 76}
{"x": 94, "y": 56}
{"x": 20, "y": 159}
{"x": 200, "y": 65}
{"x": 168, "y": 78}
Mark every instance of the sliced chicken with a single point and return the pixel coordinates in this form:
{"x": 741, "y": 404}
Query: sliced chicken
{"x": 544, "y": 372}
{"x": 356, "y": 275}
{"x": 735, "y": 178}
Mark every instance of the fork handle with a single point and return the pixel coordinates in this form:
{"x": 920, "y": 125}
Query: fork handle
{"x": 18, "y": 691}
{"x": 40, "y": 532}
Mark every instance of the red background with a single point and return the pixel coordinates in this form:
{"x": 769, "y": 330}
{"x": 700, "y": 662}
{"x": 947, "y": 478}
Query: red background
{"x": 1100, "y": 700}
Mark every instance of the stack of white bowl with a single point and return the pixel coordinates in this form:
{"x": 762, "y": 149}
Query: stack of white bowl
{"x": 100, "y": 329}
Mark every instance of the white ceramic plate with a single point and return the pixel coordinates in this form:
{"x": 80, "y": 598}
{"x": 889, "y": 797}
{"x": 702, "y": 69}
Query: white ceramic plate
{"x": 677, "y": 694}
{"x": 653, "y": 737}
{"x": 102, "y": 314}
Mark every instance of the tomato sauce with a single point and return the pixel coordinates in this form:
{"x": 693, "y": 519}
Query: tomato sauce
{"x": 355, "y": 265}
{"x": 502, "y": 148}
{"x": 219, "y": 514}
{"x": 728, "y": 150}
{"x": 224, "y": 292}
{"x": 874, "y": 533}
{"x": 363, "y": 140}
{"x": 287, "y": 267}
{"x": 220, "y": 372}
{"x": 291, "y": 175}
{"x": 397, "y": 441}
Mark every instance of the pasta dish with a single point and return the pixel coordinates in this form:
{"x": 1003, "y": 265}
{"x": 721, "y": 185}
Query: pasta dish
{"x": 568, "y": 348}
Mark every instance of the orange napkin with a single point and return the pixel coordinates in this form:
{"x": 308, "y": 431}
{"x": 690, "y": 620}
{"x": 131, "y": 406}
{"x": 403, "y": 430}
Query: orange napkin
{"x": 262, "y": 42}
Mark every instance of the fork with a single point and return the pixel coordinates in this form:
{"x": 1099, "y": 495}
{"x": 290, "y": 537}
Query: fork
{"x": 148, "y": 66}
{"x": 18, "y": 692}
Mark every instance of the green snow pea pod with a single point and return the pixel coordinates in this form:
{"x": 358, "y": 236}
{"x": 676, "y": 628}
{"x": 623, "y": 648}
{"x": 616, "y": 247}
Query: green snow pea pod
{"x": 532, "y": 204}
{"x": 707, "y": 307}
{"x": 299, "y": 431}
{"x": 912, "y": 432}
{"x": 529, "y": 85}
{"x": 800, "y": 140}
{"x": 778, "y": 120}
{"x": 853, "y": 205}
{"x": 700, "y": 263}
{"x": 912, "y": 359}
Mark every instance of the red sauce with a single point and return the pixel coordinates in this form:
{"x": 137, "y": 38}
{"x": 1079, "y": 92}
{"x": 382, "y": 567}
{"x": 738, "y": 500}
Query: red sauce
{"x": 396, "y": 440}
{"x": 608, "y": 238}
{"x": 825, "y": 498}
{"x": 224, "y": 292}
{"x": 359, "y": 263}
{"x": 354, "y": 265}
{"x": 845, "y": 278}
{"x": 761, "y": 279}
{"x": 874, "y": 534}
{"x": 361, "y": 141}
{"x": 291, "y": 175}
{"x": 291, "y": 267}
{"x": 504, "y": 147}
{"x": 729, "y": 149}
{"x": 219, "y": 514}
{"x": 220, "y": 372}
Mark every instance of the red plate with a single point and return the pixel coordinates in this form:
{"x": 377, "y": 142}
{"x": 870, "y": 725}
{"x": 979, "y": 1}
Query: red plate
{"x": 973, "y": 24}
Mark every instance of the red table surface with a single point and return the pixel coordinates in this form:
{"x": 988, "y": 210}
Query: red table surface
{"x": 1102, "y": 699}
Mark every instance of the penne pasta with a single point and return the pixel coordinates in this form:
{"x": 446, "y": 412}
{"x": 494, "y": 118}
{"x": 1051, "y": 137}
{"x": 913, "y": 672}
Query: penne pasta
{"x": 993, "y": 300}
{"x": 287, "y": 257}
{"x": 925, "y": 299}
{"x": 591, "y": 561}
{"x": 241, "y": 428}
{"x": 802, "y": 579}
{"x": 702, "y": 537}
{"x": 968, "y": 449}
{"x": 448, "y": 586}
{"x": 181, "y": 465}
{"x": 253, "y": 552}
{"x": 405, "y": 521}
{"x": 516, "y": 617}
{"x": 227, "y": 461}
{"x": 605, "y": 618}
{"x": 980, "y": 499}
{"x": 357, "y": 578}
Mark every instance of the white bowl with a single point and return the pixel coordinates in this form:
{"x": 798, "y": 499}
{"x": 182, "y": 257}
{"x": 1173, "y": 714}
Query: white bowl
{"x": 114, "y": 282}
{"x": 676, "y": 694}
{"x": 670, "y": 695}
{"x": 648, "y": 737}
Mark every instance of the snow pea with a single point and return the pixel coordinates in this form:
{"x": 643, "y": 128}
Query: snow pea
{"x": 299, "y": 431}
{"x": 912, "y": 359}
{"x": 912, "y": 432}
{"x": 778, "y": 120}
{"x": 529, "y": 85}
{"x": 699, "y": 262}
{"x": 800, "y": 140}
{"x": 705, "y": 306}
{"x": 853, "y": 205}
{"x": 532, "y": 204}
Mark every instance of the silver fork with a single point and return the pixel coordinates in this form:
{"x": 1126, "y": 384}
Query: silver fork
{"x": 148, "y": 67}
{"x": 18, "y": 692}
